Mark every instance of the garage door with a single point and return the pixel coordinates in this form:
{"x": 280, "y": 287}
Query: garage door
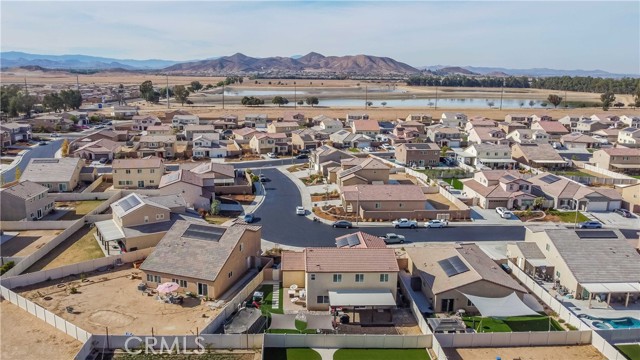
{"x": 615, "y": 205}
{"x": 597, "y": 206}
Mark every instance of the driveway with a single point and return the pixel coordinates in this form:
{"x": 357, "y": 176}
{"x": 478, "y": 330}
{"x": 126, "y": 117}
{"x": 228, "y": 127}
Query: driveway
{"x": 281, "y": 225}
{"x": 612, "y": 219}
{"x": 490, "y": 216}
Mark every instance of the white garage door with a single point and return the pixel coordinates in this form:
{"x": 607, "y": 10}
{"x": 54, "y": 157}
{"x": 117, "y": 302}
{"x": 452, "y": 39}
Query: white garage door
{"x": 597, "y": 206}
{"x": 615, "y": 205}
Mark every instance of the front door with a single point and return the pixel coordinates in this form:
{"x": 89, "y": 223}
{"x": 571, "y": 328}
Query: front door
{"x": 203, "y": 289}
{"x": 447, "y": 305}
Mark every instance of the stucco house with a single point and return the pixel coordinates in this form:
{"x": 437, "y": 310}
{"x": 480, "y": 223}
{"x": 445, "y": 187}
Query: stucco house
{"x": 629, "y": 137}
{"x": 418, "y": 154}
{"x": 538, "y": 156}
{"x": 190, "y": 185}
{"x": 578, "y": 140}
{"x": 137, "y": 173}
{"x": 258, "y": 121}
{"x": 554, "y": 129}
{"x": 97, "y": 150}
{"x": 491, "y": 135}
{"x": 561, "y": 192}
{"x": 488, "y": 155}
{"x": 444, "y": 135}
{"x": 192, "y": 131}
{"x": 179, "y": 121}
{"x": 208, "y": 146}
{"x": 262, "y": 143}
{"x": 58, "y": 175}
{"x": 142, "y": 122}
{"x": 325, "y": 154}
{"x": 365, "y": 127}
{"x": 282, "y": 127}
{"x": 347, "y": 139}
{"x": 365, "y": 171}
{"x": 307, "y": 139}
{"x": 162, "y": 146}
{"x": 388, "y": 202}
{"x": 25, "y": 201}
{"x": 450, "y": 119}
{"x": 528, "y": 136}
{"x": 630, "y": 121}
{"x": 626, "y": 160}
{"x": 500, "y": 188}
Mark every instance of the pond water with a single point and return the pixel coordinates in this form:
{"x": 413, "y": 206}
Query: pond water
{"x": 442, "y": 103}
{"x": 231, "y": 92}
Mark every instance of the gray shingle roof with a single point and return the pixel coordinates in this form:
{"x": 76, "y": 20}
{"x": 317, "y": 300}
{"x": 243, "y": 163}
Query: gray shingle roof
{"x": 51, "y": 170}
{"x": 24, "y": 190}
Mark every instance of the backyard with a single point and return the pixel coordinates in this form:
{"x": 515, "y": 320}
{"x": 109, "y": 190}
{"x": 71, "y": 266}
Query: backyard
{"x": 457, "y": 184}
{"x": 267, "y": 309}
{"x": 213, "y": 355}
{"x": 77, "y": 209}
{"x": 80, "y": 246}
{"x": 512, "y": 324}
{"x": 291, "y": 354}
{"x": 381, "y": 354}
{"x": 631, "y": 351}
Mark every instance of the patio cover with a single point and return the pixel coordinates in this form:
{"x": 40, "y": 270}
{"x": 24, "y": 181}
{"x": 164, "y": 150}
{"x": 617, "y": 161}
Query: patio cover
{"x": 109, "y": 230}
{"x": 320, "y": 322}
{"x": 497, "y": 160}
{"x": 595, "y": 288}
{"x": 373, "y": 297}
{"x": 627, "y": 166}
{"x": 507, "y": 306}
{"x": 539, "y": 262}
{"x": 283, "y": 321}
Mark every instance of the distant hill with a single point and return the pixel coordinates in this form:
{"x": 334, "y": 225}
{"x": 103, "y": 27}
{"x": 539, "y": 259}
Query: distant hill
{"x": 452, "y": 70}
{"x": 533, "y": 72}
{"x": 314, "y": 62}
{"x": 17, "y": 59}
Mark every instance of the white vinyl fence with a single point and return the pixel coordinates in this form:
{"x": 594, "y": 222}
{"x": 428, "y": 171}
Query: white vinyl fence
{"x": 511, "y": 339}
{"x": 352, "y": 341}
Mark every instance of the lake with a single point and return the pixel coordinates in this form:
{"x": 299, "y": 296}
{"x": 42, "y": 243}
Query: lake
{"x": 442, "y": 103}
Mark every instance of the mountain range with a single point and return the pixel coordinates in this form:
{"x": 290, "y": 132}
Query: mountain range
{"x": 312, "y": 62}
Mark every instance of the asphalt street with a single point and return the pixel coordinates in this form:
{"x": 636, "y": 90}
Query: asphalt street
{"x": 44, "y": 151}
{"x": 281, "y": 225}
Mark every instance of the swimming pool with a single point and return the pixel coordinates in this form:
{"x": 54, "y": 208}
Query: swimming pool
{"x": 618, "y": 323}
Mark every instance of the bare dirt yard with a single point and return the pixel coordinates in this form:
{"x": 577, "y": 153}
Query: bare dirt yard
{"x": 111, "y": 299}
{"x": 585, "y": 352}
{"x": 27, "y": 242}
{"x": 24, "y": 336}
{"x": 80, "y": 246}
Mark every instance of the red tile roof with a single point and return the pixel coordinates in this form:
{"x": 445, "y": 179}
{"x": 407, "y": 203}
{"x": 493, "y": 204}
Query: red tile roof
{"x": 328, "y": 260}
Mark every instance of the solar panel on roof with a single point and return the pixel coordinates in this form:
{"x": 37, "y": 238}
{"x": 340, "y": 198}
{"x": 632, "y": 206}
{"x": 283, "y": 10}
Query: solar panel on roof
{"x": 353, "y": 240}
{"x": 595, "y": 234}
{"x": 201, "y": 232}
{"x": 509, "y": 177}
{"x": 453, "y": 266}
{"x": 549, "y": 179}
{"x": 129, "y": 203}
{"x": 342, "y": 243}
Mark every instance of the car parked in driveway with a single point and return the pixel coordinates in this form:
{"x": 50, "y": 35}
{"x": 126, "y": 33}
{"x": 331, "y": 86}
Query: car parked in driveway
{"x": 302, "y": 156}
{"x": 404, "y": 223}
{"x": 436, "y": 223}
{"x": 248, "y": 218}
{"x": 392, "y": 238}
{"x": 623, "y": 212}
{"x": 590, "y": 225}
{"x": 504, "y": 212}
{"x": 272, "y": 155}
{"x": 300, "y": 210}
{"x": 343, "y": 224}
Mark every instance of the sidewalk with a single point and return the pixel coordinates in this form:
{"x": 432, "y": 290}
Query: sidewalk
{"x": 260, "y": 194}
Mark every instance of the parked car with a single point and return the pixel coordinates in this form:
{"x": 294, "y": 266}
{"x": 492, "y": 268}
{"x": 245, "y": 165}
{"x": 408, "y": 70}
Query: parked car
{"x": 43, "y": 143}
{"x": 504, "y": 213}
{"x": 405, "y": 223}
{"x": 343, "y": 224}
{"x": 590, "y": 225}
{"x": 623, "y": 213}
{"x": 272, "y": 155}
{"x": 55, "y": 135}
{"x": 506, "y": 268}
{"x": 368, "y": 149}
{"x": 300, "y": 210}
{"x": 392, "y": 238}
{"x": 248, "y": 218}
{"x": 304, "y": 151}
{"x": 263, "y": 178}
{"x": 104, "y": 160}
{"x": 436, "y": 223}
{"x": 302, "y": 156}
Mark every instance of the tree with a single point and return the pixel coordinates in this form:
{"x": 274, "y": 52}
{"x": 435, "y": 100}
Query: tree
{"x": 607, "y": 99}
{"x": 300, "y": 102}
{"x": 521, "y": 103}
{"x": 180, "y": 93}
{"x": 279, "y": 100}
{"x": 163, "y": 92}
{"x": 636, "y": 99}
{"x": 18, "y": 173}
{"x": 196, "y": 86}
{"x": 312, "y": 100}
{"x": 22, "y": 103}
{"x": 538, "y": 202}
{"x": 65, "y": 148}
{"x": 215, "y": 207}
{"x": 443, "y": 150}
{"x": 531, "y": 103}
{"x": 384, "y": 103}
{"x": 490, "y": 104}
{"x": 146, "y": 90}
{"x": 251, "y": 101}
{"x": 554, "y": 99}
{"x": 53, "y": 102}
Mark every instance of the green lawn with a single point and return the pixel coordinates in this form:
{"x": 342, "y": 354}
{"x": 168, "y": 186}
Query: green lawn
{"x": 457, "y": 184}
{"x": 572, "y": 173}
{"x": 82, "y": 208}
{"x": 631, "y": 351}
{"x": 290, "y": 354}
{"x": 635, "y": 176}
{"x": 512, "y": 324}
{"x": 381, "y": 354}
{"x": 567, "y": 216}
{"x": 267, "y": 303}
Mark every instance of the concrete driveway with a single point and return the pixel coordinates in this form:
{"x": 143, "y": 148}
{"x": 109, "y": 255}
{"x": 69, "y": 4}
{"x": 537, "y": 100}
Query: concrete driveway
{"x": 490, "y": 216}
{"x": 612, "y": 219}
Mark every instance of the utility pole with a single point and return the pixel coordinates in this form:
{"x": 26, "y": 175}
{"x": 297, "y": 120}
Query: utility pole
{"x": 501, "y": 93}
{"x": 436, "y": 108}
{"x": 26, "y": 90}
{"x": 223, "y": 96}
{"x": 295, "y": 95}
{"x": 168, "y": 106}
{"x": 565, "y": 98}
{"x": 77, "y": 83}
{"x": 366, "y": 97}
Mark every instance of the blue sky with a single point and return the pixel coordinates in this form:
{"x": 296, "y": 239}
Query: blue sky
{"x": 563, "y": 35}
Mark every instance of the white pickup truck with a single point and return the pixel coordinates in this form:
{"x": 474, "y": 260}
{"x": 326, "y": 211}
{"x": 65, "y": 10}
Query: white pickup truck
{"x": 405, "y": 223}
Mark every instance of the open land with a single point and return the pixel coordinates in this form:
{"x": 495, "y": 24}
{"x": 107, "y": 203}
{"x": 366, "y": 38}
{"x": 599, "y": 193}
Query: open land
{"x": 27, "y": 242}
{"x": 111, "y": 299}
{"x": 80, "y": 246}
{"x": 585, "y": 352}
{"x": 24, "y": 336}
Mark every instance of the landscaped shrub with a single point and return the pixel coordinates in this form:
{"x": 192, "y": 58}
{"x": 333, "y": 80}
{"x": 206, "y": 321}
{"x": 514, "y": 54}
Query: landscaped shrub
{"x": 6, "y": 267}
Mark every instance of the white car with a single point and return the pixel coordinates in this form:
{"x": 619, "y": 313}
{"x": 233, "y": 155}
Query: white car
{"x": 272, "y": 155}
{"x": 300, "y": 210}
{"x": 503, "y": 212}
{"x": 405, "y": 223}
{"x": 368, "y": 149}
{"x": 436, "y": 224}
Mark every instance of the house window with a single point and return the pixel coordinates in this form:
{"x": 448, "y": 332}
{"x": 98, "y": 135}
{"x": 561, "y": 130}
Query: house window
{"x": 230, "y": 274}
{"x": 359, "y": 278}
{"x": 337, "y": 278}
{"x": 139, "y": 171}
{"x": 384, "y": 277}
{"x": 313, "y": 276}
{"x": 557, "y": 273}
{"x": 159, "y": 216}
{"x": 377, "y": 205}
{"x": 146, "y": 219}
{"x": 182, "y": 283}
{"x": 127, "y": 171}
{"x": 400, "y": 205}
{"x": 153, "y": 278}
{"x": 241, "y": 247}
{"x": 151, "y": 181}
{"x": 548, "y": 247}
{"x": 469, "y": 303}
{"x": 322, "y": 299}
{"x": 152, "y": 171}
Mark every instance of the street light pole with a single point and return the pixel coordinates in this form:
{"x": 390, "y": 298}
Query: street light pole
{"x": 295, "y": 95}
{"x": 436, "y": 107}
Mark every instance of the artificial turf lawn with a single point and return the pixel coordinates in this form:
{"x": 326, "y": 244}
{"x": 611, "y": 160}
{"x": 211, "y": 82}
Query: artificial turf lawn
{"x": 513, "y": 324}
{"x": 291, "y": 354}
{"x": 631, "y": 351}
{"x": 381, "y": 354}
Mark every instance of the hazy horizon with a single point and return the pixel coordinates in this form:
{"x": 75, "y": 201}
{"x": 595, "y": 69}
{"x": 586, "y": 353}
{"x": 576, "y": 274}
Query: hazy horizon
{"x": 558, "y": 35}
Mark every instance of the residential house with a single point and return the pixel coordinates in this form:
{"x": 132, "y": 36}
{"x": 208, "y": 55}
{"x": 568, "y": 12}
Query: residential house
{"x": 283, "y": 127}
{"x": 425, "y": 119}
{"x": 388, "y": 202}
{"x": 418, "y": 154}
{"x": 25, "y": 200}
{"x": 365, "y": 127}
{"x": 307, "y": 139}
{"x": 180, "y": 121}
{"x": 563, "y": 193}
{"x": 5, "y": 138}
{"x": 541, "y": 117}
{"x": 511, "y": 127}
{"x": 629, "y": 137}
{"x": 123, "y": 112}
{"x": 137, "y": 173}
{"x": 500, "y": 188}
{"x": 159, "y": 130}
{"x": 219, "y": 258}
{"x": 609, "y": 119}
{"x": 329, "y": 125}
{"x": 222, "y": 178}
{"x": 412, "y": 124}
{"x": 450, "y": 119}
{"x": 208, "y": 146}
{"x": 528, "y": 136}
{"x": 444, "y": 135}
{"x": 292, "y": 116}
{"x": 519, "y": 118}
{"x": 17, "y": 132}
{"x": 262, "y": 143}
{"x": 588, "y": 126}
{"x": 78, "y": 117}
{"x": 58, "y": 175}
{"x": 142, "y": 122}
{"x": 446, "y": 272}
{"x": 190, "y": 185}
{"x": 538, "y": 155}
{"x": 347, "y": 139}
{"x": 368, "y": 171}
{"x": 360, "y": 240}
{"x": 162, "y": 146}
{"x": 610, "y": 135}
{"x": 479, "y": 123}
{"x": 258, "y": 121}
{"x": 191, "y": 131}
{"x": 244, "y": 133}
{"x": 630, "y": 121}
{"x": 491, "y": 135}
{"x": 168, "y": 116}
{"x": 570, "y": 262}
{"x": 487, "y": 155}
{"x": 404, "y": 134}
{"x": 554, "y": 129}
{"x": 97, "y": 150}
{"x": 570, "y": 121}
{"x": 351, "y": 117}
{"x": 578, "y": 140}
{"x": 626, "y": 160}
{"x": 327, "y": 154}
{"x": 104, "y": 134}
{"x": 51, "y": 122}
{"x": 630, "y": 197}
{"x": 343, "y": 277}
{"x": 225, "y": 122}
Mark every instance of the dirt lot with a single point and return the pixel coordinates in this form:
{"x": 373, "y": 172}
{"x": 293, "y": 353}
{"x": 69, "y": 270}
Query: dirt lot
{"x": 440, "y": 202}
{"x": 24, "y": 336}
{"x": 586, "y": 352}
{"x": 77, "y": 209}
{"x": 81, "y": 246}
{"x": 27, "y": 242}
{"x": 112, "y": 300}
